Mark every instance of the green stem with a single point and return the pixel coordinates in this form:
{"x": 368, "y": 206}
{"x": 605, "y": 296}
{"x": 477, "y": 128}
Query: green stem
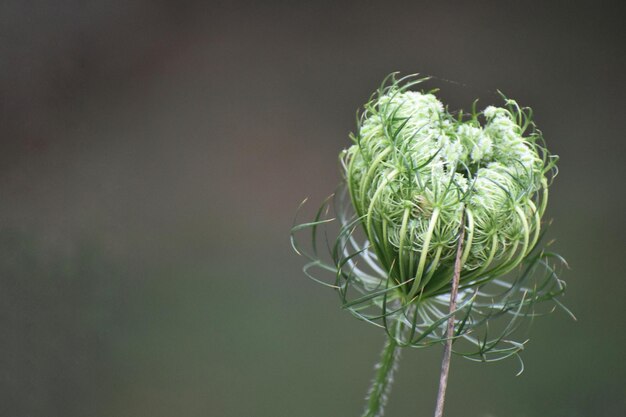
{"x": 447, "y": 347}
{"x": 381, "y": 385}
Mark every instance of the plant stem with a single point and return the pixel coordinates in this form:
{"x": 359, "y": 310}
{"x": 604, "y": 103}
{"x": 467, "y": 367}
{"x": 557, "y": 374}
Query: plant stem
{"x": 381, "y": 385}
{"x": 447, "y": 349}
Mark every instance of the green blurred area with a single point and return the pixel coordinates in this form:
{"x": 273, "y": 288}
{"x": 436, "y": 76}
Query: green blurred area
{"x": 154, "y": 155}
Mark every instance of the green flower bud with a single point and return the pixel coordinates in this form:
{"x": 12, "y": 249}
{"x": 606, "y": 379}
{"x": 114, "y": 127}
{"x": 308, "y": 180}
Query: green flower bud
{"x": 415, "y": 176}
{"x": 414, "y": 170}
{"x": 439, "y": 219}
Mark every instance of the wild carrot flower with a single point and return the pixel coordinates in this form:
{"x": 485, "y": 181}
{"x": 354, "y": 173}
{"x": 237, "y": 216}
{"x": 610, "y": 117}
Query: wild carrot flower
{"x": 418, "y": 178}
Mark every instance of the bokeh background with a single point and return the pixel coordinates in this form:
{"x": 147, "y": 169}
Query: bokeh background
{"x": 153, "y": 154}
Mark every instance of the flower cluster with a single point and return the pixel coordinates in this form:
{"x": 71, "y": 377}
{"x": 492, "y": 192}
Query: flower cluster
{"x": 415, "y": 176}
{"x": 415, "y": 168}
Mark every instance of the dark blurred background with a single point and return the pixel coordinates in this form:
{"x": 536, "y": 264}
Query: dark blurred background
{"x": 153, "y": 154}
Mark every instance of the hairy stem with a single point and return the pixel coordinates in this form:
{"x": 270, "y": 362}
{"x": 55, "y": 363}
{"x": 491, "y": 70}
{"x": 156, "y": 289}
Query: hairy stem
{"x": 447, "y": 349}
{"x": 381, "y": 385}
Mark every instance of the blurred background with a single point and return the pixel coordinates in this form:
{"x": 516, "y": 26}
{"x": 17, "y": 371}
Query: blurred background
{"x": 153, "y": 154}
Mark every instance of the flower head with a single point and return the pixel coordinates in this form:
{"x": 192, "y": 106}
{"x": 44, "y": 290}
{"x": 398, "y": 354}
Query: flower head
{"x": 415, "y": 175}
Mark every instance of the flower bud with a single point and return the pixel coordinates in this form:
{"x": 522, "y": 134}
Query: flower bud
{"x": 414, "y": 176}
{"x": 415, "y": 170}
